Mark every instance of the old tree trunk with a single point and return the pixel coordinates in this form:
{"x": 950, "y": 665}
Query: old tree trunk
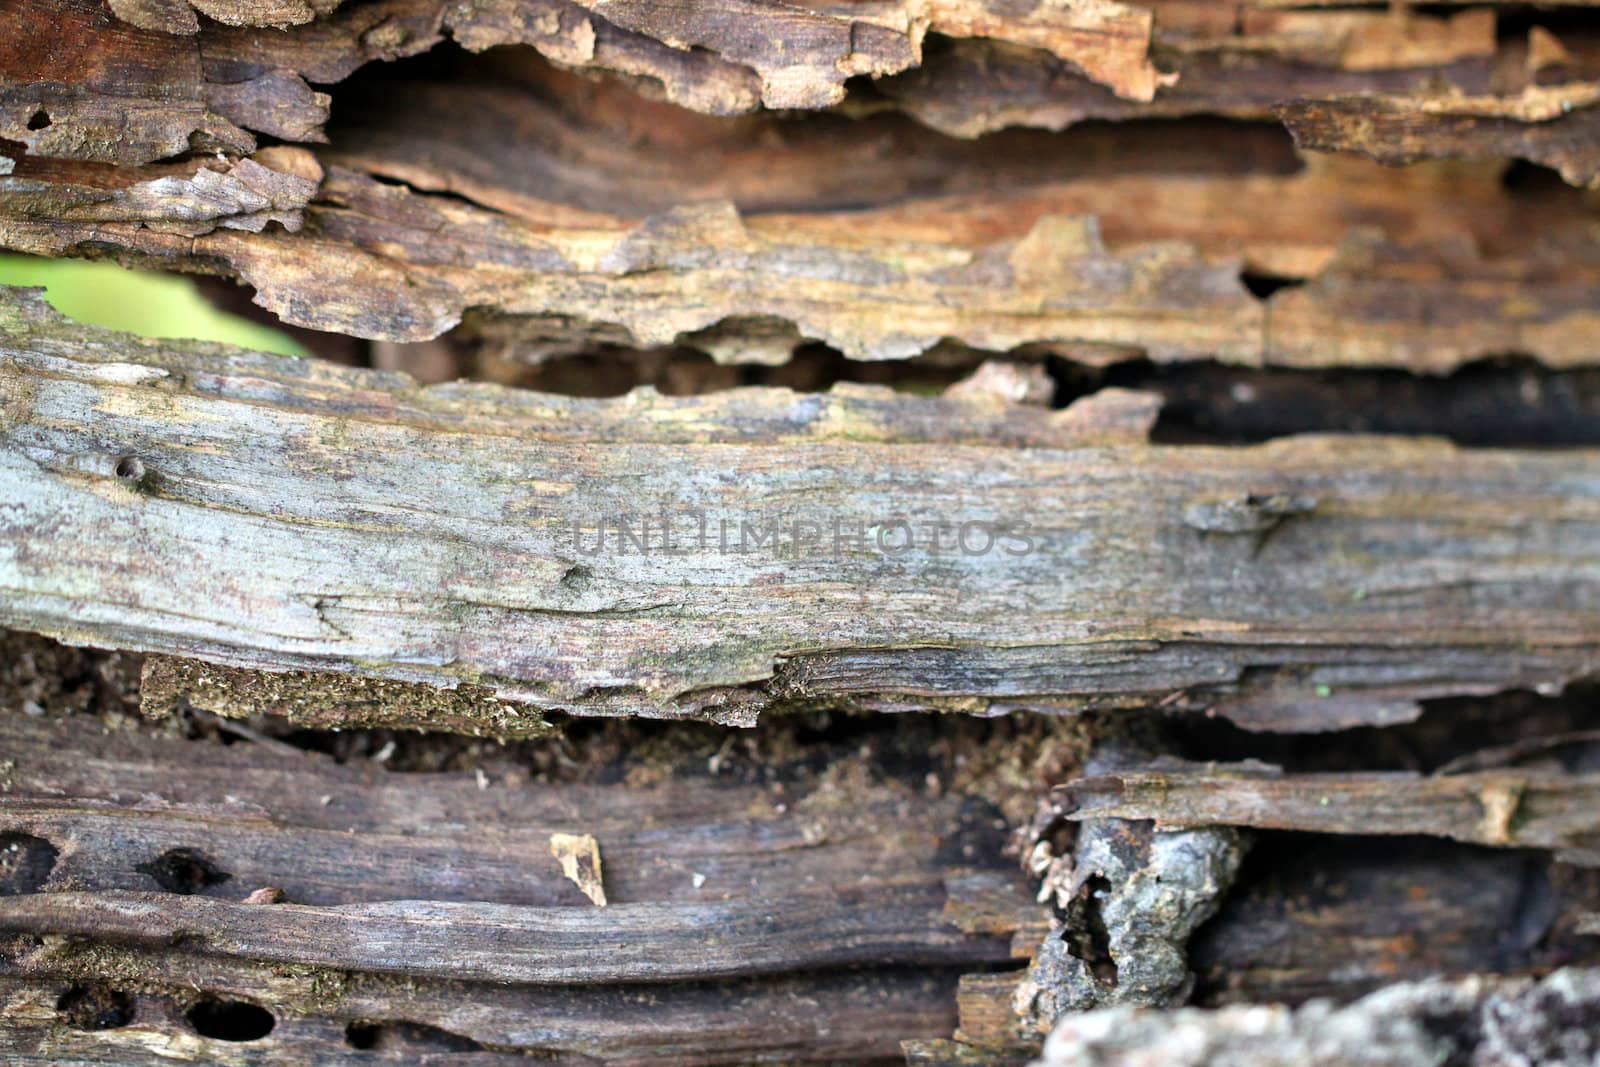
{"x": 932, "y": 531}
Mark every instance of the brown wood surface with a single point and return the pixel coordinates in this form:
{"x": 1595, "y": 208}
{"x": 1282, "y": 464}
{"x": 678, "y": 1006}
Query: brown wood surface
{"x": 433, "y": 899}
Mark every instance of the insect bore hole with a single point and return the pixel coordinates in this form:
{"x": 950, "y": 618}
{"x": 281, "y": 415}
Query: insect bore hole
{"x": 184, "y": 871}
{"x": 230, "y": 1020}
{"x": 95, "y": 1007}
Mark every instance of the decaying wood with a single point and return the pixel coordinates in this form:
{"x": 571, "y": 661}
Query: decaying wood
{"x": 1047, "y": 65}
{"x": 1502, "y": 808}
{"x": 1045, "y": 201}
{"x": 272, "y": 186}
{"x": 1107, "y": 574}
{"x": 118, "y": 815}
{"x": 1555, "y": 126}
{"x": 995, "y": 271}
{"x": 328, "y": 700}
{"x": 1248, "y": 61}
{"x": 523, "y": 945}
{"x": 712, "y": 1023}
{"x": 193, "y": 86}
{"x": 609, "y": 219}
{"x": 1385, "y": 910}
{"x": 434, "y": 900}
{"x": 181, "y": 16}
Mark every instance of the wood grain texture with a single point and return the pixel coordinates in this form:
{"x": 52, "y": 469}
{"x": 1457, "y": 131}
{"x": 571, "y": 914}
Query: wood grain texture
{"x": 1554, "y": 126}
{"x": 523, "y": 945}
{"x": 1503, "y": 808}
{"x": 580, "y": 215}
{"x": 828, "y": 1019}
{"x": 753, "y": 287}
{"x": 431, "y": 900}
{"x": 287, "y": 821}
{"x": 439, "y": 535}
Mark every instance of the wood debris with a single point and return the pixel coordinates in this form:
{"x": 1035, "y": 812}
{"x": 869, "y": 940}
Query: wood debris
{"x": 579, "y": 855}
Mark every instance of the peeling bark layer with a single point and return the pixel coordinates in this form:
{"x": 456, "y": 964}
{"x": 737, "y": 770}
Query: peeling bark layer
{"x": 1048, "y": 65}
{"x": 995, "y": 271}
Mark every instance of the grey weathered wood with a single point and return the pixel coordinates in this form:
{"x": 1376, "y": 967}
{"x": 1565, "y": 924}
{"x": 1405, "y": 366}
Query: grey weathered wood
{"x": 282, "y": 514}
{"x": 1479, "y": 1020}
{"x": 1501, "y": 808}
{"x": 891, "y": 924}
{"x": 830, "y": 1019}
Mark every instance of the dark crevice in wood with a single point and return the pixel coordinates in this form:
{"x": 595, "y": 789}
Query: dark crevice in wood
{"x": 399, "y": 1037}
{"x": 1391, "y": 909}
{"x": 1501, "y": 402}
{"x": 25, "y": 863}
{"x": 1449, "y": 732}
{"x": 510, "y": 121}
{"x": 1086, "y": 934}
{"x": 1506, "y": 402}
{"x": 1262, "y": 284}
{"x": 685, "y": 372}
{"x": 184, "y": 871}
{"x": 95, "y": 1006}
{"x": 230, "y": 1020}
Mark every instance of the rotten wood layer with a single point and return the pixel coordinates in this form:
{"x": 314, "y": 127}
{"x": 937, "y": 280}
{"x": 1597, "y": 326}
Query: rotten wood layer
{"x": 180, "y": 84}
{"x": 842, "y": 905}
{"x": 610, "y": 219}
{"x": 607, "y": 221}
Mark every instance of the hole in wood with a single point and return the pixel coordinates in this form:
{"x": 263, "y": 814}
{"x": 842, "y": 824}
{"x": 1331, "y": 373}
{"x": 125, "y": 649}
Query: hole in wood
{"x": 130, "y": 468}
{"x": 39, "y": 120}
{"x": 1521, "y": 178}
{"x": 184, "y": 871}
{"x": 25, "y": 863}
{"x": 230, "y": 1020}
{"x": 1263, "y": 284}
{"x": 1087, "y": 936}
{"x": 95, "y": 1007}
{"x": 1506, "y": 401}
{"x": 405, "y": 1037}
{"x": 363, "y": 1036}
